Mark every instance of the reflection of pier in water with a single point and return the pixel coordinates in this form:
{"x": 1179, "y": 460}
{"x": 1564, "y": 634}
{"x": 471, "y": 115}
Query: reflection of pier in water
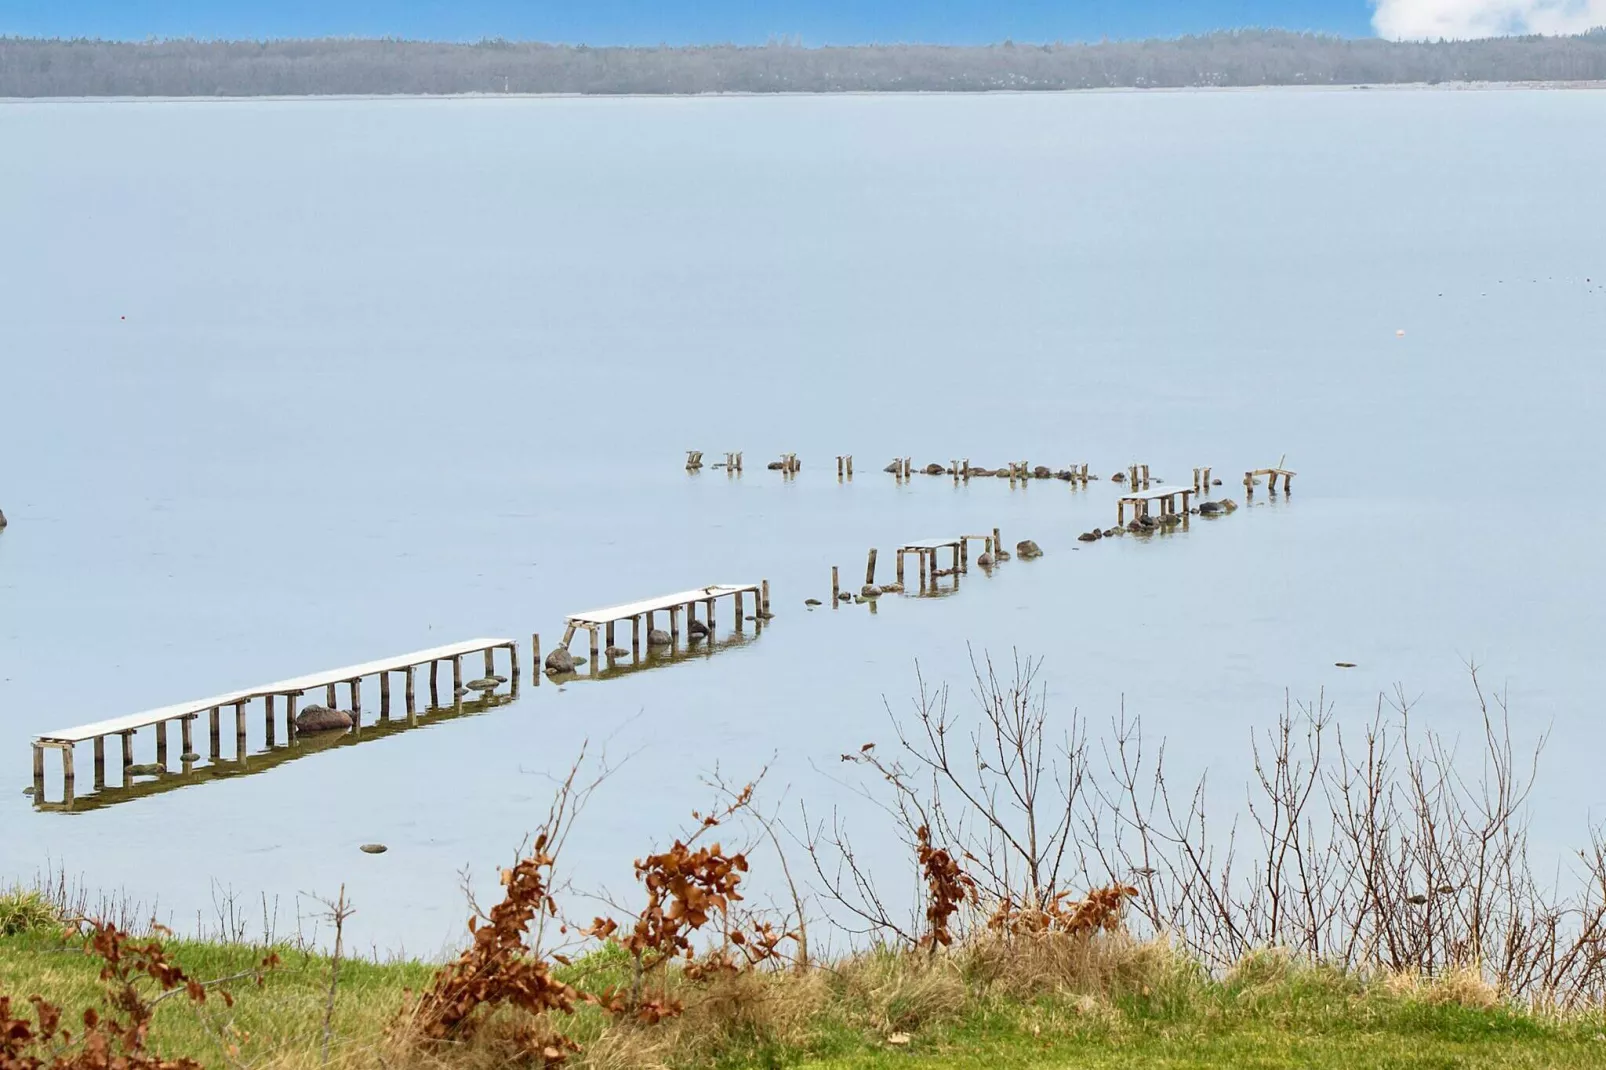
{"x": 189, "y": 774}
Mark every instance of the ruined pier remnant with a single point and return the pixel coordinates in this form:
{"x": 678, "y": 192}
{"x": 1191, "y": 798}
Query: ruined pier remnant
{"x": 1201, "y": 480}
{"x": 185, "y": 713}
{"x": 925, "y": 552}
{"x": 1271, "y": 475}
{"x": 694, "y": 460}
{"x": 1167, "y": 497}
{"x": 599, "y": 623}
{"x": 844, "y": 466}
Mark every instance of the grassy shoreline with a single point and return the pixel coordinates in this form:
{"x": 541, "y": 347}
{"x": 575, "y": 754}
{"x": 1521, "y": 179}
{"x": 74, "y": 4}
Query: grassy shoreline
{"x": 1131, "y": 1005}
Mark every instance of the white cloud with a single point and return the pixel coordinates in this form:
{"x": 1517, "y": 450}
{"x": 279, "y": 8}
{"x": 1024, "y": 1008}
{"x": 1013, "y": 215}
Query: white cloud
{"x": 1411, "y": 19}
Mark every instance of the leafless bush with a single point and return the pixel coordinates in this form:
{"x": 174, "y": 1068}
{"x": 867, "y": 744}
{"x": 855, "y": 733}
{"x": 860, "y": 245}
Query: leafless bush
{"x": 1387, "y": 848}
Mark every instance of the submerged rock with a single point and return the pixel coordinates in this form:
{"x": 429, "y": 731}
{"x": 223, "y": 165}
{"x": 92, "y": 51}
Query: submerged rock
{"x": 1088, "y": 536}
{"x": 1210, "y": 508}
{"x": 696, "y": 629}
{"x": 1042, "y": 471}
{"x": 1119, "y": 477}
{"x": 895, "y": 467}
{"x": 151, "y": 769}
{"x": 812, "y": 602}
{"x": 1027, "y": 549}
{"x": 189, "y": 756}
{"x": 484, "y": 683}
{"x": 935, "y": 470}
{"x": 892, "y": 588}
{"x": 2, "y": 518}
{"x": 658, "y": 637}
{"x": 1228, "y": 504}
{"x": 985, "y": 560}
{"x": 560, "y": 660}
{"x": 843, "y": 596}
{"x": 869, "y": 590}
{"x": 322, "y": 719}
{"x": 373, "y": 848}
{"x": 616, "y": 652}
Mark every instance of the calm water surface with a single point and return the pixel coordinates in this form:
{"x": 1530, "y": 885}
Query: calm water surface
{"x": 289, "y": 385}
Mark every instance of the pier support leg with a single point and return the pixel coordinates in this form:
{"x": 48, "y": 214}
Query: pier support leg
{"x": 355, "y": 687}
{"x": 513, "y": 662}
{"x": 998, "y": 545}
{"x": 330, "y": 699}
{"x": 407, "y": 684}
{"x": 738, "y": 602}
{"x": 216, "y": 734}
{"x": 270, "y": 730}
{"x": 39, "y": 772}
{"x": 161, "y": 744}
{"x": 434, "y": 686}
{"x": 635, "y": 636}
{"x": 239, "y": 732}
{"x": 608, "y": 638}
{"x": 593, "y": 631}
{"x": 490, "y": 661}
{"x": 66, "y": 772}
{"x": 100, "y": 760}
{"x": 708, "y": 617}
{"x": 836, "y": 584}
{"x": 128, "y": 756}
{"x": 384, "y": 696}
{"x": 186, "y": 736}
{"x": 898, "y": 570}
{"x": 869, "y": 568}
{"x": 764, "y": 600}
{"x": 290, "y": 718}
{"x": 457, "y": 675}
{"x": 674, "y": 624}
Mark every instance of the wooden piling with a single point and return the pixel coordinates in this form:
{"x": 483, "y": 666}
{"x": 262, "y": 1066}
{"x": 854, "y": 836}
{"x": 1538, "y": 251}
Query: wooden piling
{"x": 216, "y": 733}
{"x": 841, "y": 467}
{"x": 708, "y": 617}
{"x": 66, "y": 771}
{"x": 408, "y": 685}
{"x": 269, "y": 729}
{"x": 239, "y": 732}
{"x": 869, "y": 568}
{"x": 900, "y": 568}
{"x": 674, "y": 623}
{"x": 594, "y": 650}
{"x": 764, "y": 599}
{"x": 186, "y": 738}
{"x": 513, "y": 662}
{"x": 457, "y": 674}
{"x": 635, "y": 636}
{"x": 953, "y": 466}
{"x": 38, "y": 773}
{"x": 290, "y": 709}
{"x": 384, "y": 696}
{"x": 836, "y": 584}
{"x": 921, "y": 554}
{"x": 100, "y": 758}
{"x": 434, "y": 688}
{"x": 127, "y": 755}
{"x": 161, "y": 744}
{"x": 998, "y": 545}
{"x": 850, "y": 466}
{"x": 609, "y": 636}
{"x": 329, "y": 698}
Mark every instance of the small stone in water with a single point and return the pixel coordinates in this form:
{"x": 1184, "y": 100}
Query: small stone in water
{"x": 373, "y": 848}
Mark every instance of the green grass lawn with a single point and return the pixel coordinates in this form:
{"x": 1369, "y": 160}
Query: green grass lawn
{"x": 902, "y": 1013}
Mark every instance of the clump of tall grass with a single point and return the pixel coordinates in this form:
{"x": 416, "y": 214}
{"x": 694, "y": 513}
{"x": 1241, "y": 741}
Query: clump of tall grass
{"x": 27, "y": 910}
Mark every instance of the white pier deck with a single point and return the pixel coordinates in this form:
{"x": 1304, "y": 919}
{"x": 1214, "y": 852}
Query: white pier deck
{"x": 64, "y": 739}
{"x": 637, "y": 612}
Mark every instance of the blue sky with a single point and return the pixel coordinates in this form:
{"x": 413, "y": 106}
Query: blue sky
{"x": 676, "y": 21}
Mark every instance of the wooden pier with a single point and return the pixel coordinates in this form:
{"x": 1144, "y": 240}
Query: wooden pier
{"x": 1166, "y": 496}
{"x": 645, "y": 612}
{"x": 926, "y": 553}
{"x": 1271, "y": 475}
{"x": 66, "y": 739}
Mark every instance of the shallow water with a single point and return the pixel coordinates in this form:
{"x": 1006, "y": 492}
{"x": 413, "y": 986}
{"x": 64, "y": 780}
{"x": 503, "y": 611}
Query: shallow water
{"x": 398, "y": 373}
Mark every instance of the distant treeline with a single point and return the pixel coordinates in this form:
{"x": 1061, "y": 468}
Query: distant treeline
{"x": 34, "y": 68}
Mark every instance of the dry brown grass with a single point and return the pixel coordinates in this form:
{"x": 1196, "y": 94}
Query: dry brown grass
{"x": 1458, "y": 986}
{"x": 1099, "y": 964}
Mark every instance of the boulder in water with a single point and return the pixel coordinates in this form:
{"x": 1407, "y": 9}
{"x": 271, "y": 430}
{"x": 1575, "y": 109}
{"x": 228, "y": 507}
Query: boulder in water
{"x": 1088, "y": 536}
{"x": 2, "y": 518}
{"x": 616, "y": 652}
{"x": 842, "y": 596}
{"x": 484, "y": 683}
{"x": 560, "y": 661}
{"x": 1027, "y": 549}
{"x": 811, "y": 602}
{"x": 1119, "y": 477}
{"x": 696, "y": 629}
{"x": 322, "y": 719}
{"x": 985, "y": 560}
{"x": 373, "y": 848}
{"x": 1042, "y": 471}
{"x": 658, "y": 637}
{"x": 935, "y": 469}
{"x": 1210, "y": 508}
{"x": 144, "y": 770}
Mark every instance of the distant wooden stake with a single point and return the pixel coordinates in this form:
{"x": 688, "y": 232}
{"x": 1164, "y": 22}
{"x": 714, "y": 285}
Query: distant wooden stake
{"x": 869, "y": 568}
{"x": 836, "y": 586}
{"x": 100, "y": 762}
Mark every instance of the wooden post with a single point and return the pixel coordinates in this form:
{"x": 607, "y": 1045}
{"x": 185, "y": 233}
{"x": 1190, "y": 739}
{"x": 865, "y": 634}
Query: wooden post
{"x": 954, "y": 467}
{"x": 407, "y": 676}
{"x": 674, "y": 623}
{"x": 635, "y": 635}
{"x": 355, "y": 688}
{"x": 186, "y": 739}
{"x": 128, "y": 754}
{"x": 38, "y": 772}
{"x": 964, "y": 554}
{"x": 1288, "y": 479}
{"x": 998, "y": 545}
{"x": 100, "y": 758}
{"x": 1120, "y": 513}
{"x": 900, "y": 568}
{"x": 329, "y": 698}
{"x": 216, "y": 741}
{"x": 609, "y": 636}
{"x": 593, "y": 630}
{"x": 161, "y": 744}
{"x": 66, "y": 771}
{"x": 1249, "y": 485}
{"x": 922, "y": 555}
{"x": 434, "y": 689}
{"x": 268, "y": 728}
{"x": 836, "y": 582}
{"x": 490, "y": 661}
{"x": 513, "y": 661}
{"x": 708, "y": 616}
{"x": 457, "y": 674}
{"x": 239, "y": 732}
{"x": 290, "y": 711}
{"x": 841, "y": 467}
{"x": 869, "y": 568}
{"x": 384, "y": 696}
{"x": 850, "y": 466}
{"x": 764, "y": 600}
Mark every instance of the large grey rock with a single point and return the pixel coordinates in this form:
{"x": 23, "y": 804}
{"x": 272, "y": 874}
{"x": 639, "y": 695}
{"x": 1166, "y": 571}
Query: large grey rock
{"x": 1027, "y": 549}
{"x": 842, "y": 596}
{"x": 560, "y": 660}
{"x": 985, "y": 560}
{"x": 869, "y": 590}
{"x": 322, "y": 719}
{"x": 1088, "y": 536}
{"x": 144, "y": 770}
{"x": 696, "y": 629}
{"x": 1228, "y": 504}
{"x": 895, "y": 467}
{"x": 776, "y": 466}
{"x": 1042, "y": 471}
{"x": 1002, "y": 555}
{"x": 812, "y": 602}
{"x": 616, "y": 652}
{"x": 1210, "y": 508}
{"x": 935, "y": 469}
{"x": 2, "y": 518}
{"x": 892, "y": 588}
{"x": 1119, "y": 477}
{"x": 658, "y": 637}
{"x": 484, "y": 683}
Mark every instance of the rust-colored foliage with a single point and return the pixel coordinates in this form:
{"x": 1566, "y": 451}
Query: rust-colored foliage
{"x": 686, "y": 888}
{"x": 1101, "y": 909}
{"x": 498, "y": 968}
{"x": 117, "y": 1040}
{"x": 947, "y": 887}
